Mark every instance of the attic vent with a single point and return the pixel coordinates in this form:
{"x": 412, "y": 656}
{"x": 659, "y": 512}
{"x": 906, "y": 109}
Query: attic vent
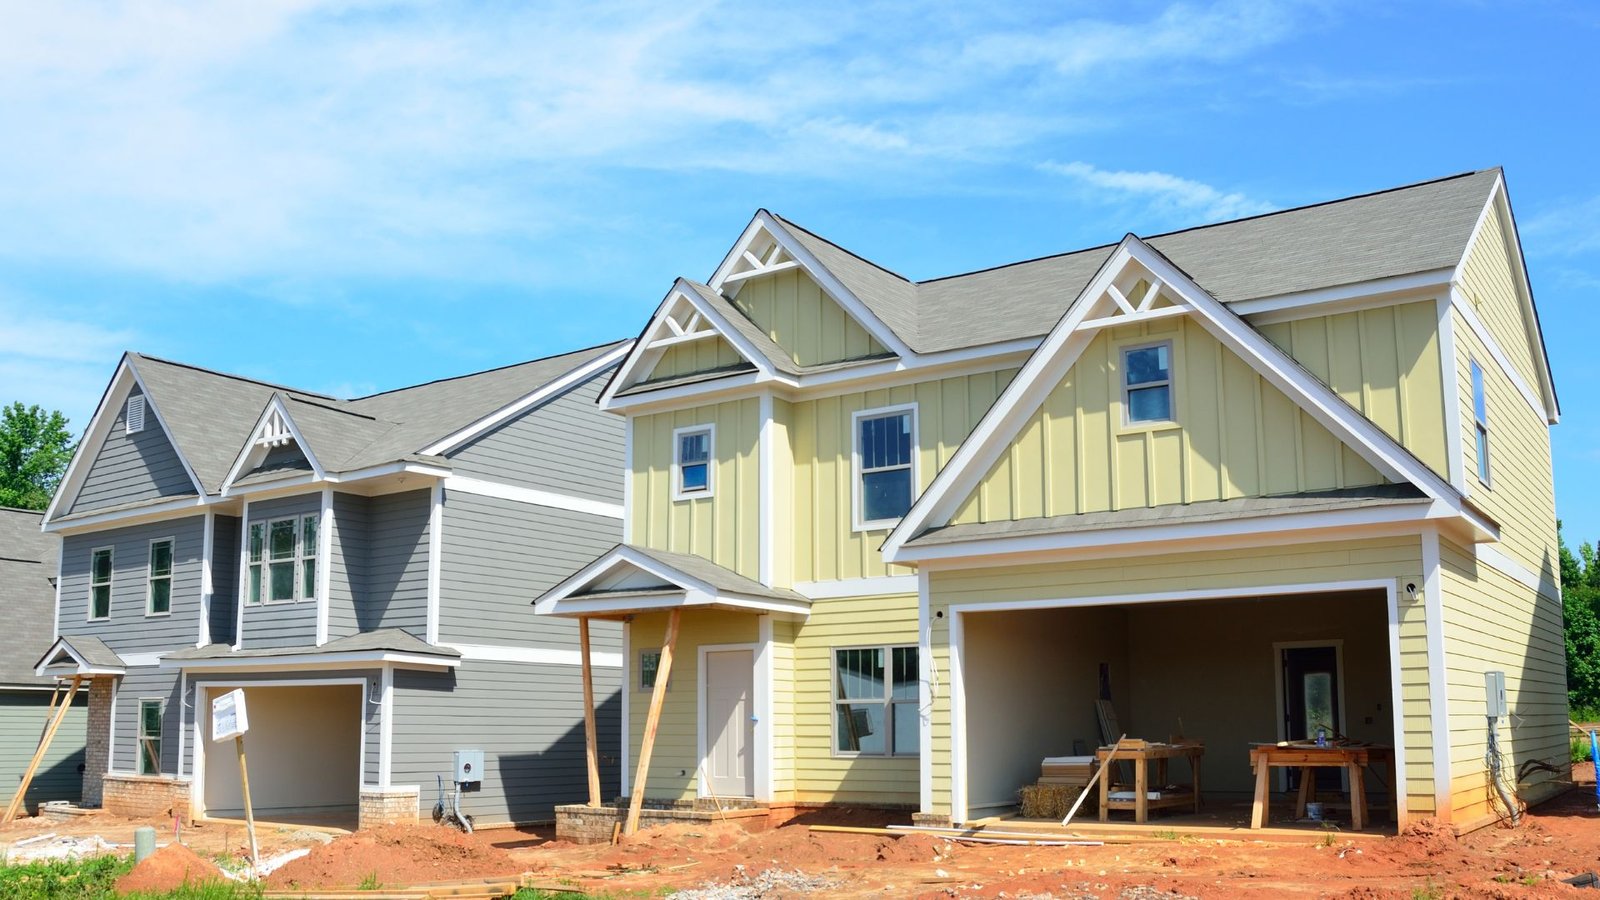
{"x": 274, "y": 431}
{"x": 134, "y": 423}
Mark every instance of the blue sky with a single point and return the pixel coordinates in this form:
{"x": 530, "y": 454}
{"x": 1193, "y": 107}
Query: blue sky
{"x": 352, "y": 196}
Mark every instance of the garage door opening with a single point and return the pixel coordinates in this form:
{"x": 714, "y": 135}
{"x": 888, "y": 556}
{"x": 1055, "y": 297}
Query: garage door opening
{"x": 1231, "y": 674}
{"x": 304, "y": 752}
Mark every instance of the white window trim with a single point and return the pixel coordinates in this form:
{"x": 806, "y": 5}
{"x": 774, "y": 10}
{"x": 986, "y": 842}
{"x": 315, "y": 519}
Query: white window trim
{"x": 1171, "y": 384}
{"x": 139, "y": 735}
{"x": 127, "y": 418}
{"x": 299, "y": 559}
{"x": 650, "y": 687}
{"x": 111, "y": 580}
{"x": 710, "y": 429}
{"x": 1482, "y": 457}
{"x": 888, "y": 701}
{"x": 150, "y": 576}
{"x": 857, "y": 522}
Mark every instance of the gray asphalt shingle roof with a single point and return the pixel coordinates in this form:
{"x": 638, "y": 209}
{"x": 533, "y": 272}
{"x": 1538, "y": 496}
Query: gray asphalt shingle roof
{"x": 27, "y": 593}
{"x": 704, "y": 570}
{"x": 93, "y": 651}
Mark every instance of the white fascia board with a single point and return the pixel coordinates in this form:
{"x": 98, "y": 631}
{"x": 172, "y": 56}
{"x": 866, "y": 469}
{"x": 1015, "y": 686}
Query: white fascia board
{"x": 1341, "y": 298}
{"x": 393, "y": 468}
{"x": 548, "y": 656}
{"x": 640, "y": 352}
{"x": 560, "y": 385}
{"x": 249, "y": 450}
{"x": 170, "y": 509}
{"x": 289, "y": 484}
{"x": 613, "y": 559}
{"x": 354, "y": 659}
{"x": 532, "y": 496}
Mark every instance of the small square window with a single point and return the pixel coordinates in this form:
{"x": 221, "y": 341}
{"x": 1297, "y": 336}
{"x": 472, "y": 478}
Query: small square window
{"x": 1147, "y": 383}
{"x": 649, "y": 665}
{"x": 692, "y": 453}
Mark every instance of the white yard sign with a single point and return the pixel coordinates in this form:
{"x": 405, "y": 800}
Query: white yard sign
{"x": 227, "y": 716}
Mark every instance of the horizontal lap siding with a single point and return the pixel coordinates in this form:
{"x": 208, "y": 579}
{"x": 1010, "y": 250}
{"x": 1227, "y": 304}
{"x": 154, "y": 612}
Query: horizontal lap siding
{"x": 1396, "y": 560}
{"x": 396, "y": 589}
{"x": 23, "y": 715}
{"x": 785, "y": 700}
{"x": 566, "y": 445}
{"x": 129, "y": 630}
{"x": 146, "y": 683}
{"x": 133, "y": 467}
{"x": 498, "y": 556}
{"x": 224, "y": 579}
{"x": 347, "y": 563}
{"x": 528, "y": 721}
{"x": 283, "y": 624}
{"x": 1490, "y": 282}
{"x": 819, "y": 774}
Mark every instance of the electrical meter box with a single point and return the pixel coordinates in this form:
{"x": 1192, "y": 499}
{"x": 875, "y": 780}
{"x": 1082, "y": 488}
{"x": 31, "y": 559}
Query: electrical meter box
{"x": 469, "y": 766}
{"x": 1494, "y": 686}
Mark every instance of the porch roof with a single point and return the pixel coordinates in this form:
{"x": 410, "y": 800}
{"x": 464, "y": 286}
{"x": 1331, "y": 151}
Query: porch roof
{"x": 629, "y": 579}
{"x": 80, "y": 654}
{"x": 370, "y": 648}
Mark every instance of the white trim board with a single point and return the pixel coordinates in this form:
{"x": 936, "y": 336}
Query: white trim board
{"x": 254, "y": 451}
{"x": 880, "y": 586}
{"x": 1438, "y": 683}
{"x": 532, "y": 496}
{"x": 547, "y": 656}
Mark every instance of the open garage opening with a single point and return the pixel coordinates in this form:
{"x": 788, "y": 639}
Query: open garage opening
{"x": 1232, "y": 674}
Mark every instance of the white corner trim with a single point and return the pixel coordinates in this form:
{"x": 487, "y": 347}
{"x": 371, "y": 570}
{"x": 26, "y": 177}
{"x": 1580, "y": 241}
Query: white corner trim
{"x": 880, "y": 586}
{"x": 1455, "y": 460}
{"x": 385, "y": 730}
{"x": 546, "y": 656}
{"x": 925, "y": 694}
{"x": 244, "y": 575}
{"x": 324, "y": 565}
{"x": 627, "y": 479}
{"x": 764, "y": 705}
{"x": 627, "y": 692}
{"x": 1438, "y": 684}
{"x": 435, "y": 552}
{"x": 533, "y": 496}
{"x": 207, "y": 549}
{"x": 767, "y": 528}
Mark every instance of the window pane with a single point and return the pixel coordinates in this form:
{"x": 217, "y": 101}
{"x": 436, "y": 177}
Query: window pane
{"x": 102, "y": 601}
{"x": 649, "y": 664}
{"x": 1146, "y": 364}
{"x": 885, "y": 495}
{"x": 1319, "y": 702}
{"x": 860, "y": 674}
{"x": 256, "y": 532}
{"x": 308, "y": 536}
{"x": 282, "y": 539}
{"x": 885, "y": 441}
{"x": 280, "y": 581}
{"x": 161, "y": 558}
{"x": 694, "y": 477}
{"x": 149, "y": 756}
{"x": 308, "y": 579}
{"x": 1479, "y": 407}
{"x": 907, "y": 729}
{"x": 1150, "y": 404}
{"x": 860, "y": 728}
{"x": 1483, "y": 455}
{"x": 149, "y": 719}
{"x": 102, "y": 565}
{"x": 161, "y": 595}
{"x": 693, "y": 448}
{"x": 905, "y": 673}
{"x": 252, "y": 593}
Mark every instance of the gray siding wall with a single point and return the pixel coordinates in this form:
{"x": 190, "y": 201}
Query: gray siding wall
{"x": 22, "y": 719}
{"x": 498, "y": 556}
{"x": 224, "y": 578}
{"x": 347, "y": 567}
{"x": 281, "y": 624}
{"x": 567, "y": 445}
{"x": 129, "y": 630}
{"x": 146, "y": 683}
{"x": 528, "y": 721}
{"x": 395, "y": 590}
{"x": 132, "y": 467}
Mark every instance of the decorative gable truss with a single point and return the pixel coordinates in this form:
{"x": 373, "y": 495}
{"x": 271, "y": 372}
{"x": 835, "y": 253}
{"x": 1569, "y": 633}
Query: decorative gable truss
{"x": 1110, "y": 300}
{"x": 274, "y": 431}
{"x": 689, "y": 333}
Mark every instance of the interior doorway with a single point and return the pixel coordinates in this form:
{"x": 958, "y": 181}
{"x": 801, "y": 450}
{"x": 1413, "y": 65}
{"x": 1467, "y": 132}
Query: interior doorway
{"x": 1311, "y": 701}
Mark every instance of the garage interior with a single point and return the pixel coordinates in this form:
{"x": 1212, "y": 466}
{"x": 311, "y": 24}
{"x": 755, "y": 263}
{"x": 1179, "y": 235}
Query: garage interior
{"x": 1218, "y": 671}
{"x": 303, "y": 751}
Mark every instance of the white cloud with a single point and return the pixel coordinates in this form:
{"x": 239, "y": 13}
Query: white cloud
{"x": 56, "y": 363}
{"x": 1165, "y": 193}
{"x": 1569, "y": 229}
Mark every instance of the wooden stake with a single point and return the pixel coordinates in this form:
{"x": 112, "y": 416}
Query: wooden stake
{"x": 589, "y": 739}
{"x": 1098, "y": 776}
{"x": 652, "y": 721}
{"x": 249, "y": 812}
{"x": 38, "y": 754}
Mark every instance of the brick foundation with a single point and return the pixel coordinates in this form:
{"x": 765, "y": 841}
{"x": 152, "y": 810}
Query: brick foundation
{"x": 584, "y": 824}
{"x": 146, "y": 796}
{"x": 97, "y": 740}
{"x": 930, "y": 820}
{"x": 391, "y": 807}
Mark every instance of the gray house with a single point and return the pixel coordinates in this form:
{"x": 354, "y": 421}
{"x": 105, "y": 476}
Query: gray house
{"x": 27, "y": 607}
{"x": 362, "y": 569}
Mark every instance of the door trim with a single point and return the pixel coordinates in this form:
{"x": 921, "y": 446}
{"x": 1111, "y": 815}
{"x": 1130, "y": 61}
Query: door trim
{"x": 1277, "y": 680}
{"x": 759, "y": 690}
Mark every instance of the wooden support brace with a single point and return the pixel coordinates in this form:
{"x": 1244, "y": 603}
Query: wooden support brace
{"x": 60, "y": 715}
{"x": 590, "y": 741}
{"x": 648, "y": 742}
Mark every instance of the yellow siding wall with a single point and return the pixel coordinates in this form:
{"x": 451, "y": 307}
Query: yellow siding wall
{"x": 826, "y": 546}
{"x": 1398, "y": 560}
{"x": 803, "y": 320}
{"x": 784, "y": 701}
{"x": 1492, "y": 621}
{"x": 1490, "y": 283}
{"x": 1237, "y": 436}
{"x": 724, "y": 528}
{"x": 704, "y": 355}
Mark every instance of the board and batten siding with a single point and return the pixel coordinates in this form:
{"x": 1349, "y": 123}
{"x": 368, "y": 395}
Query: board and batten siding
{"x": 129, "y": 629}
{"x": 1494, "y": 622}
{"x": 533, "y": 750}
{"x": 1397, "y": 560}
{"x": 713, "y": 354}
{"x": 23, "y": 715}
{"x": 146, "y": 683}
{"x": 566, "y": 445}
{"x": 498, "y": 556}
{"x": 807, "y": 323}
{"x": 224, "y": 620}
{"x": 285, "y": 623}
{"x": 129, "y": 468}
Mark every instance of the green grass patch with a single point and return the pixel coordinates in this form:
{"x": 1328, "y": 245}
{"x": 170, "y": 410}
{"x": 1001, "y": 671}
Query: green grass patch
{"x": 1580, "y": 749}
{"x": 95, "y": 879}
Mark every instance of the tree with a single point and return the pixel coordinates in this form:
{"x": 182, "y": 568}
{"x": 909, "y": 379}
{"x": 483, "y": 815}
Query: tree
{"x": 35, "y": 448}
{"x": 1578, "y": 600}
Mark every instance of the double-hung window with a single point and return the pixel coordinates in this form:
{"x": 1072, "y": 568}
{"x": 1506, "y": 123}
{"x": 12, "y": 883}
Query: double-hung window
{"x": 885, "y": 450}
{"x": 1147, "y": 383}
{"x": 158, "y": 593}
{"x": 282, "y": 560}
{"x": 691, "y": 461}
{"x": 875, "y": 701}
{"x": 149, "y": 737}
{"x": 1480, "y": 421}
{"x": 100, "y": 584}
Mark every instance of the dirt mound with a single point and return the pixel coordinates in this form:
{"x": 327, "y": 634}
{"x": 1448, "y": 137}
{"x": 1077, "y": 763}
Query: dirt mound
{"x": 168, "y": 869}
{"x": 395, "y": 856}
{"x": 913, "y": 848}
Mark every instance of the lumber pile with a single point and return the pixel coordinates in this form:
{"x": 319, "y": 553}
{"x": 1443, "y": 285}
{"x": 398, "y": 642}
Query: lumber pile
{"x": 1061, "y": 780}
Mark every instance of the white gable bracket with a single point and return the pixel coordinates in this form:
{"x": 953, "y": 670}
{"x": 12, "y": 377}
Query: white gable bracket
{"x": 274, "y": 428}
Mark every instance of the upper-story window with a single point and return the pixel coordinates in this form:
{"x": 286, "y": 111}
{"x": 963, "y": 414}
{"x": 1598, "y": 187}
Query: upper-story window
{"x": 282, "y": 560}
{"x": 1147, "y": 383}
{"x": 158, "y": 592}
{"x": 100, "y": 584}
{"x": 1480, "y": 421}
{"x": 692, "y": 450}
{"x": 885, "y": 460}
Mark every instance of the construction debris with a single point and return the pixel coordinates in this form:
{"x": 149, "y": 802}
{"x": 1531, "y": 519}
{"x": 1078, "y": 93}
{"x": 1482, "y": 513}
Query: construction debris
{"x": 770, "y": 883}
{"x": 52, "y": 846}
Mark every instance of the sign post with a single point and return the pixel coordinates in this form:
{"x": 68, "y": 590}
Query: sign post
{"x": 228, "y": 720}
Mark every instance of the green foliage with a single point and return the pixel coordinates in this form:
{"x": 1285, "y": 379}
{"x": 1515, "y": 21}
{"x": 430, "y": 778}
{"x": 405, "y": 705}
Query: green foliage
{"x": 35, "y": 448}
{"x": 95, "y": 879}
{"x": 1580, "y": 749}
{"x": 1580, "y": 594}
{"x": 370, "y": 883}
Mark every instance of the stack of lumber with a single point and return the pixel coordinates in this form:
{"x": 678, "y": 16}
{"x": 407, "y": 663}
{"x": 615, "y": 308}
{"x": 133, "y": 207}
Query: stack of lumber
{"x": 1068, "y": 770}
{"x": 1061, "y": 780}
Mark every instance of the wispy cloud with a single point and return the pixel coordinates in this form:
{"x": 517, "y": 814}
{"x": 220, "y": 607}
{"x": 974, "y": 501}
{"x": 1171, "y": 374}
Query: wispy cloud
{"x": 55, "y": 362}
{"x": 1568, "y": 229}
{"x": 1164, "y": 193}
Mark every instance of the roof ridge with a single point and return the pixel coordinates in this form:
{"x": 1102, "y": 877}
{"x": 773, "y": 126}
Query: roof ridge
{"x": 348, "y": 412}
{"x": 842, "y": 249}
{"x": 18, "y": 509}
{"x": 411, "y": 387}
{"x": 235, "y": 377}
{"x": 1020, "y": 262}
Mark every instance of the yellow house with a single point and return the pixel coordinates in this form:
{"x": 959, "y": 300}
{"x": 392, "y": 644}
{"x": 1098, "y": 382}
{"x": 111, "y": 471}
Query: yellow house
{"x": 1245, "y": 481}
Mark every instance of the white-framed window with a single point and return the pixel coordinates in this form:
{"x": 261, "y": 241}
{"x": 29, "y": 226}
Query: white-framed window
{"x": 875, "y": 696}
{"x": 100, "y": 567}
{"x": 694, "y": 450}
{"x": 649, "y": 665}
{"x": 885, "y": 463}
{"x": 133, "y": 423}
{"x": 1480, "y": 421}
{"x": 158, "y": 578}
{"x": 281, "y": 560}
{"x": 1147, "y": 383}
{"x": 149, "y": 737}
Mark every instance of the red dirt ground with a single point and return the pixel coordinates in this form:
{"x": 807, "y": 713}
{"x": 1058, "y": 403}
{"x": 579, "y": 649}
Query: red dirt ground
{"x": 396, "y": 856}
{"x": 168, "y": 869}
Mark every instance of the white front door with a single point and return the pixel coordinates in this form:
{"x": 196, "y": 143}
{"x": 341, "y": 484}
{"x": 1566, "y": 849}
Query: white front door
{"x": 730, "y": 730}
